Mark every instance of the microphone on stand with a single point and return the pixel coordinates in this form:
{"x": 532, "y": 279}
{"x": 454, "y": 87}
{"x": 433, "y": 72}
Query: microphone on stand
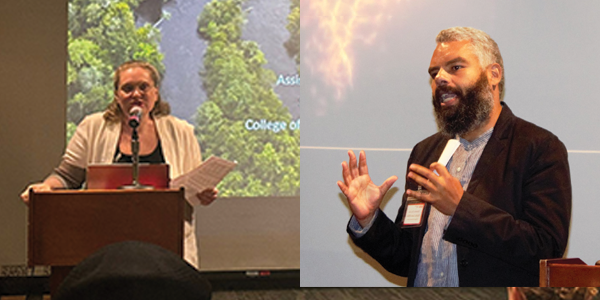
{"x": 135, "y": 116}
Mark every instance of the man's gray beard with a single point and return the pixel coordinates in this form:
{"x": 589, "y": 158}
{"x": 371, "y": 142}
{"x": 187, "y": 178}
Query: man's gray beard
{"x": 473, "y": 110}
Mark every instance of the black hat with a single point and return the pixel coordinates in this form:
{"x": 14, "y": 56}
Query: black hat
{"x": 133, "y": 270}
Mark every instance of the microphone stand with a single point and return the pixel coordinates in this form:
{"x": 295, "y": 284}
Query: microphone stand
{"x": 135, "y": 157}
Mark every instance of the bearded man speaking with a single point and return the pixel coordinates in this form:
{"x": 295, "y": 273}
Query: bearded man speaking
{"x": 486, "y": 197}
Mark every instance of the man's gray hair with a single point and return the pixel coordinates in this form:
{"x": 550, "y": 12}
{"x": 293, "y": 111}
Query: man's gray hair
{"x": 484, "y": 47}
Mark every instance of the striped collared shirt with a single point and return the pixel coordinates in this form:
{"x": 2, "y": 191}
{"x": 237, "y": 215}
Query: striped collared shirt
{"x": 438, "y": 261}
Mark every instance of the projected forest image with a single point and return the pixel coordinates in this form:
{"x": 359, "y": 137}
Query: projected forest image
{"x": 230, "y": 68}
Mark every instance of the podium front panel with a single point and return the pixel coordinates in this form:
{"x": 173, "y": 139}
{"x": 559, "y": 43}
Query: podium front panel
{"x": 67, "y": 226}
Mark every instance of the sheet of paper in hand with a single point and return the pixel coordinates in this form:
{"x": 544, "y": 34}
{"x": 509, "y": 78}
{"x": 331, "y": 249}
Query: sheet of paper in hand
{"x": 206, "y": 175}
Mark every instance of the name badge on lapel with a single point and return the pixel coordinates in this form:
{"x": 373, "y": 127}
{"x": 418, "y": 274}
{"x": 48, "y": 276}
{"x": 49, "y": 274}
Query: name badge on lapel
{"x": 414, "y": 213}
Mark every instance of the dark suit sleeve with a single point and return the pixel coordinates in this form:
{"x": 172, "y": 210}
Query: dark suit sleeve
{"x": 387, "y": 242}
{"x": 521, "y": 212}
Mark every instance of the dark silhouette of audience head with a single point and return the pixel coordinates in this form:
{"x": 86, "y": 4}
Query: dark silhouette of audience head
{"x": 133, "y": 270}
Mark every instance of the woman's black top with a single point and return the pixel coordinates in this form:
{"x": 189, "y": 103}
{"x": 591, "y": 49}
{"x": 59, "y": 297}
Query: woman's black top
{"x": 156, "y": 157}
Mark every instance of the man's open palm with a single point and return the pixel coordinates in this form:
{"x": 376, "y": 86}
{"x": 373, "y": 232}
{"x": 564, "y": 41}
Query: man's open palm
{"x": 364, "y": 197}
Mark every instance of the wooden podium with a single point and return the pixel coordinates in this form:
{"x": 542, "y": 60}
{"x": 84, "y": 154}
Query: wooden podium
{"x": 568, "y": 272}
{"x": 67, "y": 226}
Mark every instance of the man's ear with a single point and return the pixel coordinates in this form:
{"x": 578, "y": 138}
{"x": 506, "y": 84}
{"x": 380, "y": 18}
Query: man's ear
{"x": 495, "y": 74}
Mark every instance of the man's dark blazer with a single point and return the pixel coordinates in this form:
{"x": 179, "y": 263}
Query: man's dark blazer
{"x": 516, "y": 210}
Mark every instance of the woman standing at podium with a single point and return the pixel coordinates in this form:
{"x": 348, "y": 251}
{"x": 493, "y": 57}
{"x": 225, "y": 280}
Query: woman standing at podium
{"x": 106, "y": 138}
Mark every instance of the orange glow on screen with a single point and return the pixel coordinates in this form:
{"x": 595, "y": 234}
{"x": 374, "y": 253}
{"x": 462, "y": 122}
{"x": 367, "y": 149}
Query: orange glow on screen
{"x": 338, "y": 26}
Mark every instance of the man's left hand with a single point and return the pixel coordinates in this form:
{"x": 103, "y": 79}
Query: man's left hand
{"x": 444, "y": 190}
{"x": 207, "y": 196}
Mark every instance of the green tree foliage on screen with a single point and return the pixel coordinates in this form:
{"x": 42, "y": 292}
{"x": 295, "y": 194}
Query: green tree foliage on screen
{"x": 239, "y": 87}
{"x": 102, "y": 35}
{"x": 292, "y": 45}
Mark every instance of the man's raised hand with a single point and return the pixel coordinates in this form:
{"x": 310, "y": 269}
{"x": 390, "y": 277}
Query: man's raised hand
{"x": 364, "y": 197}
